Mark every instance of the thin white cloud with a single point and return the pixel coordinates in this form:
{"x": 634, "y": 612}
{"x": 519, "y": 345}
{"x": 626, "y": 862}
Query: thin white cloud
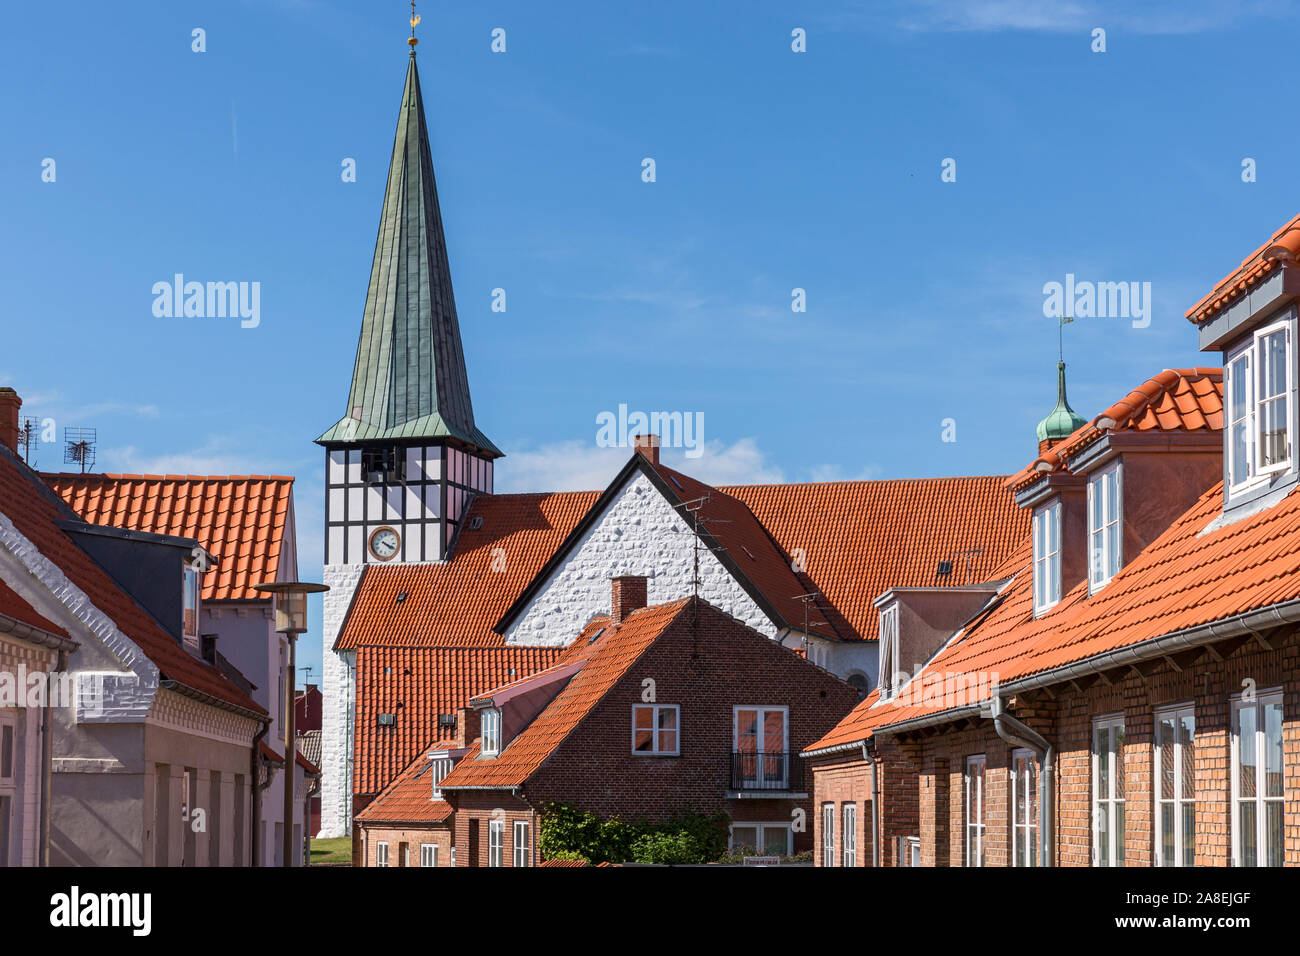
{"x": 219, "y": 455}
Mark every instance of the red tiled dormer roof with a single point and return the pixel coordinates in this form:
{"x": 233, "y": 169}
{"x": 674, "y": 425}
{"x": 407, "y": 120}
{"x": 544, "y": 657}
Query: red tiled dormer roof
{"x": 35, "y": 511}
{"x": 239, "y": 519}
{"x": 13, "y": 606}
{"x": 1197, "y": 573}
{"x": 457, "y": 602}
{"x": 409, "y": 798}
{"x": 416, "y": 685}
{"x": 610, "y": 657}
{"x": 1284, "y": 246}
{"x": 860, "y": 538}
{"x": 1175, "y": 400}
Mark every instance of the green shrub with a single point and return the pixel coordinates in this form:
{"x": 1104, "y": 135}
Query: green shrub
{"x": 566, "y": 832}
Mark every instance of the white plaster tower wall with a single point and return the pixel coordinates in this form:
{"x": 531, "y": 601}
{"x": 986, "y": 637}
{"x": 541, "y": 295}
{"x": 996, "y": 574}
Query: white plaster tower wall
{"x": 337, "y": 701}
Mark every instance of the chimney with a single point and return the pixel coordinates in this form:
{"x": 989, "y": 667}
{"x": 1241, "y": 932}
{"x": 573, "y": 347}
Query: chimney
{"x": 10, "y": 405}
{"x": 467, "y": 726}
{"x": 628, "y": 594}
{"x": 648, "y": 445}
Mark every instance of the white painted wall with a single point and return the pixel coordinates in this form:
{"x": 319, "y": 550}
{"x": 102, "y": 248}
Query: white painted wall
{"x": 336, "y": 716}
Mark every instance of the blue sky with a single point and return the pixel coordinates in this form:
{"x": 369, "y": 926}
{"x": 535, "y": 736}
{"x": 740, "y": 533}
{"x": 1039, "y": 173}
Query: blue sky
{"x": 775, "y": 170}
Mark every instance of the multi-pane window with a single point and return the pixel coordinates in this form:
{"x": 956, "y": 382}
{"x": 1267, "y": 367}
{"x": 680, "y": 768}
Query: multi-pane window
{"x": 523, "y": 843}
{"x": 491, "y": 732}
{"x": 191, "y": 582}
{"x": 381, "y": 854}
{"x": 976, "y": 810}
{"x": 1257, "y": 780}
{"x": 1024, "y": 805}
{"x": 428, "y": 854}
{"x": 828, "y": 834}
{"x": 1258, "y": 412}
{"x": 1047, "y": 556}
{"x": 439, "y": 768}
{"x": 1108, "y": 791}
{"x": 889, "y": 652}
{"x": 655, "y": 729}
{"x": 766, "y": 839}
{"x": 760, "y": 739}
{"x": 849, "y": 837}
{"x": 1104, "y": 545}
{"x": 8, "y": 784}
{"x": 1175, "y": 786}
{"x": 496, "y": 836}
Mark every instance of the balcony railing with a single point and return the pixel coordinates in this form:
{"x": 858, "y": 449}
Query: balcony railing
{"x": 766, "y": 771}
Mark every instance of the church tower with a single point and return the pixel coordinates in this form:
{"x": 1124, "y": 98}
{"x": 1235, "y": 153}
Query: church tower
{"x": 403, "y": 461}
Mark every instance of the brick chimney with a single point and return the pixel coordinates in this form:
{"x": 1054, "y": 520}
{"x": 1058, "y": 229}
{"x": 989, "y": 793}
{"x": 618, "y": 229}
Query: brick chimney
{"x": 467, "y": 727}
{"x": 10, "y": 406}
{"x": 648, "y": 445}
{"x": 627, "y": 595}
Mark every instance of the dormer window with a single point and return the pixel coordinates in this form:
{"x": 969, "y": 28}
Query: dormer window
{"x": 440, "y": 767}
{"x": 1047, "y": 556}
{"x": 1104, "y": 545}
{"x": 888, "y": 651}
{"x": 491, "y": 732}
{"x": 1259, "y": 413}
{"x": 191, "y": 582}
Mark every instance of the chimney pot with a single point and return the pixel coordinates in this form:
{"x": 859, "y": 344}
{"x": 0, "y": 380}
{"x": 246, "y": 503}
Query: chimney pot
{"x": 648, "y": 445}
{"x": 627, "y": 594}
{"x": 10, "y": 406}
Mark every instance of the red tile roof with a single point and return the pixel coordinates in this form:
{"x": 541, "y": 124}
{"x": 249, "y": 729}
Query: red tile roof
{"x": 1188, "y": 577}
{"x": 1284, "y": 246}
{"x": 457, "y": 602}
{"x": 35, "y": 511}
{"x": 409, "y": 798}
{"x": 11, "y": 605}
{"x": 420, "y": 684}
{"x": 608, "y": 659}
{"x": 239, "y": 519}
{"x": 860, "y": 538}
{"x": 1184, "y": 400}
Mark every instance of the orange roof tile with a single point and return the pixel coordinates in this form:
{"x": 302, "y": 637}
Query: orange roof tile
{"x": 1175, "y": 400}
{"x": 860, "y": 538}
{"x": 1284, "y": 246}
{"x": 610, "y": 657}
{"x": 35, "y": 511}
{"x": 1190, "y": 576}
{"x": 458, "y": 601}
{"x": 409, "y": 798}
{"x": 11, "y": 605}
{"x": 239, "y": 519}
{"x": 416, "y": 685}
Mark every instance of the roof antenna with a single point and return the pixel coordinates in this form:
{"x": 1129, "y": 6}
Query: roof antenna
{"x": 79, "y": 447}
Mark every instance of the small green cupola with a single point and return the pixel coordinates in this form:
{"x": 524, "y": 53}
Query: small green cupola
{"x": 1063, "y": 420}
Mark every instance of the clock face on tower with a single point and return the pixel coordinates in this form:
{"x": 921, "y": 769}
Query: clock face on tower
{"x": 384, "y": 544}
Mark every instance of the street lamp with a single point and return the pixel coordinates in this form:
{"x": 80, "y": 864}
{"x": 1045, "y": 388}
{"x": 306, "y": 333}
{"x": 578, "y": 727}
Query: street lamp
{"x": 290, "y": 620}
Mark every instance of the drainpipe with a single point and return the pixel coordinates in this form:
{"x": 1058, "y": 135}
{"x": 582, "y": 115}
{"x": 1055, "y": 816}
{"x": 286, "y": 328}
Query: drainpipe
{"x": 47, "y": 766}
{"x": 255, "y": 825}
{"x": 1016, "y": 733}
{"x": 875, "y": 804}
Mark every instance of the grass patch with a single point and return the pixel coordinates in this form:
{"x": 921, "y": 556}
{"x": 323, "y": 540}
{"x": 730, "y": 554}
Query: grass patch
{"x": 336, "y": 851}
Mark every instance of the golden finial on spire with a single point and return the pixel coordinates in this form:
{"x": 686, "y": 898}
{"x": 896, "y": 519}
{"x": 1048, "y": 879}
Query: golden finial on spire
{"x": 415, "y": 22}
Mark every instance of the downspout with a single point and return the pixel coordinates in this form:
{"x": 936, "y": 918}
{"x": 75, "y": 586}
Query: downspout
{"x": 875, "y": 804}
{"x": 255, "y": 824}
{"x": 1016, "y": 733}
{"x": 47, "y": 766}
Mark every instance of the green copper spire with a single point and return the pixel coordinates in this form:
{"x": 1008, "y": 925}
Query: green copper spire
{"x": 1063, "y": 420}
{"x": 409, "y": 380}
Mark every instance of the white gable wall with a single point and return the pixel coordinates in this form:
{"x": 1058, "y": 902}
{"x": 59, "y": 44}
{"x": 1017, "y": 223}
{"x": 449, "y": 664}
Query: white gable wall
{"x": 638, "y": 533}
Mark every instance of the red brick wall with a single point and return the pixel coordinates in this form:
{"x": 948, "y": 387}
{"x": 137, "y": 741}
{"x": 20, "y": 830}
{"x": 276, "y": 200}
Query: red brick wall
{"x": 395, "y": 837}
{"x": 476, "y": 808}
{"x": 916, "y": 772}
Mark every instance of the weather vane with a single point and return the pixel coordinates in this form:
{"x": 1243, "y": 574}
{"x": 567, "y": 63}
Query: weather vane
{"x": 1062, "y": 322}
{"x": 415, "y": 22}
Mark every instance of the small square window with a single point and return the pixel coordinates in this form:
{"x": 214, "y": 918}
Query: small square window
{"x": 656, "y": 729}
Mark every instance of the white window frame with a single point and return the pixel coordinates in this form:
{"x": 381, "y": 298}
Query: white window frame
{"x": 496, "y": 840}
{"x": 428, "y": 854}
{"x": 441, "y": 766}
{"x": 849, "y": 837}
{"x": 1047, "y": 562}
{"x": 760, "y": 828}
{"x": 1103, "y": 564}
{"x": 655, "y": 730}
{"x": 1178, "y": 805}
{"x": 1108, "y": 796}
{"x": 888, "y": 679}
{"x": 381, "y": 853}
{"x": 909, "y": 851}
{"x": 976, "y": 809}
{"x": 9, "y": 787}
{"x": 523, "y": 846}
{"x": 762, "y": 744}
{"x": 1248, "y": 353}
{"x": 1261, "y": 799}
{"x": 828, "y": 834}
{"x": 1024, "y": 824}
{"x": 191, "y": 593}
{"x": 490, "y": 732}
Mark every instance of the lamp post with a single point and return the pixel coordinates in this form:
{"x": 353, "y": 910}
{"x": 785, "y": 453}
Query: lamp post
{"x": 290, "y": 620}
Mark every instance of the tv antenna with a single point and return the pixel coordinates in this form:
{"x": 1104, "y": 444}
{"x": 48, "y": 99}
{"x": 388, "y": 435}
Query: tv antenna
{"x": 79, "y": 447}
{"x": 27, "y": 437}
